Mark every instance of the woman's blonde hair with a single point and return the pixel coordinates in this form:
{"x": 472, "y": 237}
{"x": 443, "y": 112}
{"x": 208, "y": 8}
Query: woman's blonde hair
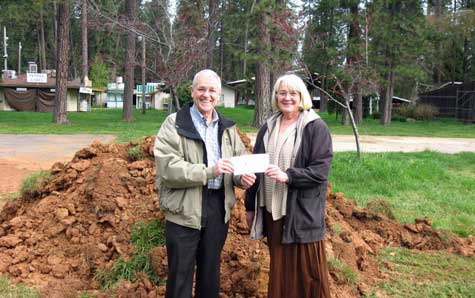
{"x": 294, "y": 83}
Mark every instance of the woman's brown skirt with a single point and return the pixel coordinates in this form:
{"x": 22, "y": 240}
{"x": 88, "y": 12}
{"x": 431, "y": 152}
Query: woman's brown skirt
{"x": 296, "y": 270}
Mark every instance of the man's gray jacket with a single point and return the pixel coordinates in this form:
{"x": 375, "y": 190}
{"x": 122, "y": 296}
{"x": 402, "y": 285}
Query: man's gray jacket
{"x": 182, "y": 171}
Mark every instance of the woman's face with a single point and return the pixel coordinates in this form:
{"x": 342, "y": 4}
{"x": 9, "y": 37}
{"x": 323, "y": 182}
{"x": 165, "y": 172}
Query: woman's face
{"x": 288, "y": 100}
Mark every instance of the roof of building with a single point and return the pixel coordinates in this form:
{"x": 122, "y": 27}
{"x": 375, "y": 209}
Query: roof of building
{"x": 20, "y": 81}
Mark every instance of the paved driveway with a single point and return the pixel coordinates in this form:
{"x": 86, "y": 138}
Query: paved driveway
{"x": 399, "y": 144}
{"x": 22, "y": 154}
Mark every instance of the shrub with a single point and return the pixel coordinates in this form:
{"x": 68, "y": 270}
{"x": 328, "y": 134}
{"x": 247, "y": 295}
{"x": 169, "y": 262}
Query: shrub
{"x": 31, "y": 186}
{"x": 407, "y": 110}
{"x": 183, "y": 91}
{"x": 425, "y": 112}
{"x": 420, "y": 111}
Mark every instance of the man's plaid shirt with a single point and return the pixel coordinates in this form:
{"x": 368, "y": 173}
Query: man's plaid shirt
{"x": 209, "y": 134}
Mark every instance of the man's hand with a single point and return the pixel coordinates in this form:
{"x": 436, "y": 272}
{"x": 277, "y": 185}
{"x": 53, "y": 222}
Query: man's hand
{"x": 223, "y": 166}
{"x": 247, "y": 180}
{"x": 249, "y": 218}
{"x": 275, "y": 173}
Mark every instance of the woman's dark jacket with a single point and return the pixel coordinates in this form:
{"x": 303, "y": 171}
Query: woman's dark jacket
{"x": 307, "y": 186}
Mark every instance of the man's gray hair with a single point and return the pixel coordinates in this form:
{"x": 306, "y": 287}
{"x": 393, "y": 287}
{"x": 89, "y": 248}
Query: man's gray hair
{"x": 206, "y": 72}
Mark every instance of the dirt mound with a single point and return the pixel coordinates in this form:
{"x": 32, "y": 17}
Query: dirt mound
{"x": 81, "y": 221}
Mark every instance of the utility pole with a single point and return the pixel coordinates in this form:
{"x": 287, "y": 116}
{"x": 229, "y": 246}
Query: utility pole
{"x": 19, "y": 57}
{"x": 143, "y": 74}
{"x": 5, "y": 44}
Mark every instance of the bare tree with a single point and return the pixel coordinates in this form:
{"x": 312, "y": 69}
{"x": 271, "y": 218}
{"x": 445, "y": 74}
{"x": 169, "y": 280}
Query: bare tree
{"x": 178, "y": 49}
{"x": 60, "y": 114}
{"x": 130, "y": 11}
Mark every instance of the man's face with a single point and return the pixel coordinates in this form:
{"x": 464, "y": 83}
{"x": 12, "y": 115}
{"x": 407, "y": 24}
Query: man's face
{"x": 206, "y": 93}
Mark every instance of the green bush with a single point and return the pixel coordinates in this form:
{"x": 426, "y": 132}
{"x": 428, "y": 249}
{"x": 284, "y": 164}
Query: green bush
{"x": 31, "y": 186}
{"x": 419, "y": 112}
{"x": 406, "y": 110}
{"x": 183, "y": 91}
{"x": 425, "y": 112}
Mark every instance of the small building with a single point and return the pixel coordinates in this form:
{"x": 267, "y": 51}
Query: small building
{"x": 35, "y": 92}
{"x": 454, "y": 100}
{"x": 115, "y": 94}
{"x": 155, "y": 98}
{"x": 228, "y": 96}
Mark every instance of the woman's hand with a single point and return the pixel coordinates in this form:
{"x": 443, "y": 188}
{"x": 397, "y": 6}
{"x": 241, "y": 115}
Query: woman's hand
{"x": 275, "y": 173}
{"x": 249, "y": 218}
{"x": 247, "y": 180}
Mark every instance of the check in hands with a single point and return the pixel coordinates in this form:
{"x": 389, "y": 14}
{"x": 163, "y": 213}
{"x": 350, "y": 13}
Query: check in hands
{"x": 225, "y": 166}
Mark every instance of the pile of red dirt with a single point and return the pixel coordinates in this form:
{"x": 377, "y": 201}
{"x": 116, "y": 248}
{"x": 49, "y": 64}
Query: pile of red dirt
{"x": 80, "y": 222}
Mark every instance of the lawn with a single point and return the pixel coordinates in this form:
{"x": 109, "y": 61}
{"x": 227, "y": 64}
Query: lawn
{"x": 440, "y": 186}
{"x": 108, "y": 121}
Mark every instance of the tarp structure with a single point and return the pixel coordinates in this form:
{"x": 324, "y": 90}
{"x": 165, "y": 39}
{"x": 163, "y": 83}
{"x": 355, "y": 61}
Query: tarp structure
{"x": 30, "y": 100}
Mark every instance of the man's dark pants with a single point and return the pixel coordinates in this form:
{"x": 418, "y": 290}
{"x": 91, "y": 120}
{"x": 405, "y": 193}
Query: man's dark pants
{"x": 187, "y": 247}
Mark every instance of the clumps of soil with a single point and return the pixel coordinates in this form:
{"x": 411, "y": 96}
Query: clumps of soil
{"x": 81, "y": 221}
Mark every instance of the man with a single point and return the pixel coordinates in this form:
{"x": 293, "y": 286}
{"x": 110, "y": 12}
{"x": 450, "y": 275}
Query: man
{"x": 196, "y": 188}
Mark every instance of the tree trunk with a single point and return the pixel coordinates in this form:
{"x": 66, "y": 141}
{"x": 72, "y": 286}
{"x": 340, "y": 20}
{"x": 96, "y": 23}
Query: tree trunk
{"x": 84, "y": 41}
{"x": 221, "y": 48}
{"x": 263, "y": 95}
{"x": 323, "y": 97}
{"x": 55, "y": 27}
{"x": 345, "y": 117}
{"x": 130, "y": 9}
{"x": 211, "y": 29}
{"x": 113, "y": 60}
{"x": 246, "y": 43}
{"x": 60, "y": 114}
{"x": 355, "y": 57}
{"x": 144, "y": 50}
{"x": 465, "y": 59}
{"x": 357, "y": 105}
{"x": 387, "y": 99}
{"x": 42, "y": 42}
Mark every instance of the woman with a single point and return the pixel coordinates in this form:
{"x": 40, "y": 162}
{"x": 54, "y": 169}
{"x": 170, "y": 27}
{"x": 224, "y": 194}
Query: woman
{"x": 287, "y": 202}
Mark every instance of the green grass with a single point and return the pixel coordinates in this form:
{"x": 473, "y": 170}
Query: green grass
{"x": 145, "y": 237}
{"x": 426, "y": 274}
{"x": 343, "y": 271}
{"x": 31, "y": 185}
{"x": 448, "y": 128}
{"x": 95, "y": 122}
{"x": 440, "y": 186}
{"x": 7, "y": 290}
{"x": 109, "y": 121}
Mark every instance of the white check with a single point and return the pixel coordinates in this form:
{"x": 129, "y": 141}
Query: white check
{"x": 247, "y": 164}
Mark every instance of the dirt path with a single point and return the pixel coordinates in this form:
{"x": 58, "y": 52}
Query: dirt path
{"x": 20, "y": 155}
{"x": 399, "y": 144}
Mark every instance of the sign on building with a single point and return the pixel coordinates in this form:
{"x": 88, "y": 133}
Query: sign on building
{"x": 36, "y": 77}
